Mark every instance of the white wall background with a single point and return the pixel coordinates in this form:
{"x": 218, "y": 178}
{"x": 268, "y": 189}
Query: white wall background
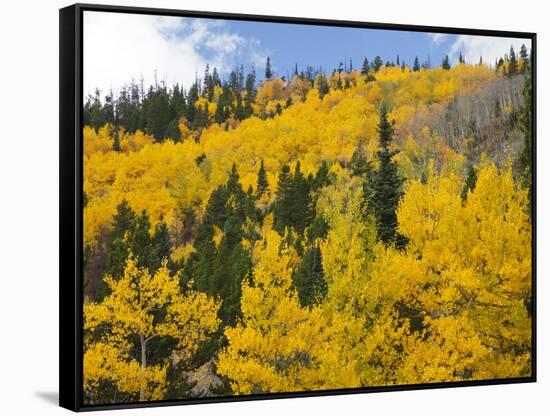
{"x": 29, "y": 207}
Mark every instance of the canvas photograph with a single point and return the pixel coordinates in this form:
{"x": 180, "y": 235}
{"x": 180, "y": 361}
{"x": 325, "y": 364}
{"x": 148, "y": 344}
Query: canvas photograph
{"x": 273, "y": 208}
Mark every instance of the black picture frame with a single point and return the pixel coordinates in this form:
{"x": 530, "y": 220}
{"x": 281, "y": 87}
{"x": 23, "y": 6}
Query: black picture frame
{"x": 71, "y": 202}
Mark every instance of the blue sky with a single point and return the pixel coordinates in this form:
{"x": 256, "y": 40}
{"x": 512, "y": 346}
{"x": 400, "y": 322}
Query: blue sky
{"x": 119, "y": 47}
{"x": 325, "y": 46}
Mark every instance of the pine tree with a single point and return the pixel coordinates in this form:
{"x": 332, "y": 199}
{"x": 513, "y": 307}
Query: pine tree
{"x": 162, "y": 247}
{"x": 282, "y": 206}
{"x": 321, "y": 178}
{"x": 460, "y": 59}
{"x": 157, "y": 113}
{"x": 116, "y": 141}
{"x": 524, "y": 56}
{"x": 445, "y": 64}
{"x": 359, "y": 164}
{"x": 208, "y": 86}
{"x": 470, "y": 183}
{"x": 268, "y": 73}
{"x": 377, "y": 64}
{"x": 262, "y": 186}
{"x": 117, "y": 252}
{"x": 233, "y": 185}
{"x": 140, "y": 242}
{"x": 322, "y": 85}
{"x": 416, "y": 65}
{"x": 512, "y": 62}
{"x": 365, "y": 67}
{"x": 384, "y": 186}
{"x": 301, "y": 203}
{"x": 231, "y": 264}
{"x": 308, "y": 279}
{"x": 223, "y": 109}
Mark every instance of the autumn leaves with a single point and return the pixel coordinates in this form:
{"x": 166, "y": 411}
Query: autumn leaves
{"x": 396, "y": 268}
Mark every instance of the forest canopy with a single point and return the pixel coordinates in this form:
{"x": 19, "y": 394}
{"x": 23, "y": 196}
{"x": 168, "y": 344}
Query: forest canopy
{"x": 367, "y": 227}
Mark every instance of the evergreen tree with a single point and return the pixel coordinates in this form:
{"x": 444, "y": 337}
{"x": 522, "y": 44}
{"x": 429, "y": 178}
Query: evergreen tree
{"x": 93, "y": 111}
{"x": 233, "y": 185}
{"x": 223, "y": 109}
{"x": 157, "y": 113}
{"x": 162, "y": 247}
{"x": 283, "y": 200}
{"x": 192, "y": 97}
{"x": 460, "y": 59}
{"x": 321, "y": 178}
{"x": 268, "y": 73}
{"x": 116, "y": 141}
{"x": 445, "y": 64}
{"x": 359, "y": 164}
{"x": 231, "y": 264}
{"x": 109, "y": 108}
{"x": 301, "y": 209}
{"x": 524, "y": 56}
{"x": 365, "y": 67}
{"x": 416, "y": 64}
{"x": 322, "y": 85}
{"x": 383, "y": 189}
{"x": 512, "y": 62}
{"x": 216, "y": 209}
{"x": 140, "y": 242}
{"x": 377, "y": 64}
{"x": 470, "y": 183}
{"x": 308, "y": 279}
{"x": 250, "y": 94}
{"x": 117, "y": 252}
{"x": 262, "y": 186}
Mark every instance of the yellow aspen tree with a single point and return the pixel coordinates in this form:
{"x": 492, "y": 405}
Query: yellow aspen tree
{"x": 279, "y": 346}
{"x": 366, "y": 336}
{"x": 140, "y": 308}
{"x": 463, "y": 284}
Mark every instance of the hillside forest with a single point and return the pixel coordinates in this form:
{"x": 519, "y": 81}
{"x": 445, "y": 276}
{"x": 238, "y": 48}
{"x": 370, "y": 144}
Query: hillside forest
{"x": 365, "y": 227}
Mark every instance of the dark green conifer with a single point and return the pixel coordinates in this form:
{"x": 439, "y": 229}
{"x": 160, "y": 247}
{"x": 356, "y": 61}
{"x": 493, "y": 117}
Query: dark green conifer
{"x": 383, "y": 188}
{"x": 365, "y": 67}
{"x": 308, "y": 278}
{"x": 446, "y": 64}
{"x": 283, "y": 200}
{"x": 416, "y": 64}
{"x": 268, "y": 73}
{"x": 470, "y": 183}
{"x": 262, "y": 186}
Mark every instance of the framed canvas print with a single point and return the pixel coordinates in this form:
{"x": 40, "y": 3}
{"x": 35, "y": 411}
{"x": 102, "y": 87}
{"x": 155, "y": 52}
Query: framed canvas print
{"x": 257, "y": 207}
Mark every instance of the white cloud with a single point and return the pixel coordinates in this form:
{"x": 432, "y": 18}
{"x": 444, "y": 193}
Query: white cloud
{"x": 437, "y": 38}
{"x": 488, "y": 47}
{"x": 119, "y": 47}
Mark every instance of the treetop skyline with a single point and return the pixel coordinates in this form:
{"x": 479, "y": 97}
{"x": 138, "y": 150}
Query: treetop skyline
{"x": 175, "y": 49}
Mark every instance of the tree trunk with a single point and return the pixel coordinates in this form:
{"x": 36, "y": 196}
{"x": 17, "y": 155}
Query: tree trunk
{"x": 142, "y": 342}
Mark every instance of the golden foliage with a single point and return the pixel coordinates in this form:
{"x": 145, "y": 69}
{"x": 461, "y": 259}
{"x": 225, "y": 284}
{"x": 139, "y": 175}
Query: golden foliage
{"x": 452, "y": 306}
{"x": 130, "y": 312}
